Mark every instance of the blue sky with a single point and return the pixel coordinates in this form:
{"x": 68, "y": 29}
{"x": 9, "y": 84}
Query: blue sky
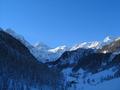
{"x": 58, "y": 22}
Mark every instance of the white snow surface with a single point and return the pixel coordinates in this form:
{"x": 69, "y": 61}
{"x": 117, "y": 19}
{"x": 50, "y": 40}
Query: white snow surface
{"x": 88, "y": 83}
{"x": 108, "y": 85}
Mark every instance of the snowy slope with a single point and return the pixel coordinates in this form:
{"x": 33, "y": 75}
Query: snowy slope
{"x": 99, "y": 81}
{"x": 109, "y": 85}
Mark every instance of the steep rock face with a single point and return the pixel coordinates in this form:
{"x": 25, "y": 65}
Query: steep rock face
{"x": 19, "y": 69}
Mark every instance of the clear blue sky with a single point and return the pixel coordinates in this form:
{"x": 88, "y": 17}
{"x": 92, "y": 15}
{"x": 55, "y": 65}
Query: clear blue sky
{"x": 58, "y": 22}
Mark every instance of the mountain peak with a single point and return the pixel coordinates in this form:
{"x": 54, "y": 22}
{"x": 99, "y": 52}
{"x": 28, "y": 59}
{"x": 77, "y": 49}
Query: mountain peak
{"x": 41, "y": 46}
{"x": 93, "y": 44}
{"x": 58, "y": 49}
{"x": 108, "y": 39}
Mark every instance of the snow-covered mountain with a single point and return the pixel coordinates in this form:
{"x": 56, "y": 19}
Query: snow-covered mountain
{"x": 85, "y": 66}
{"x": 40, "y": 50}
{"x": 44, "y": 53}
{"x": 86, "y": 45}
{"x": 108, "y": 39}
